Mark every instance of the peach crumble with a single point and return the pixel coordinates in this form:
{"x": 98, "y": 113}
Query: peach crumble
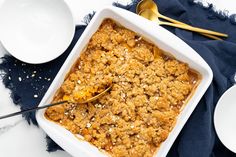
{"x": 137, "y": 114}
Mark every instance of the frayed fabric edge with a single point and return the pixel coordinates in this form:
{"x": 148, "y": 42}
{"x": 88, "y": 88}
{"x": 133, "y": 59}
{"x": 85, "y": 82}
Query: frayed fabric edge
{"x": 6, "y": 79}
{"x": 213, "y": 12}
{"x": 127, "y": 6}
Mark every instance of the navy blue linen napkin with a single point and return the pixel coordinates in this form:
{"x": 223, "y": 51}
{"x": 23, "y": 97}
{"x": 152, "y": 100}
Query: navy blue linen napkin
{"x": 28, "y": 83}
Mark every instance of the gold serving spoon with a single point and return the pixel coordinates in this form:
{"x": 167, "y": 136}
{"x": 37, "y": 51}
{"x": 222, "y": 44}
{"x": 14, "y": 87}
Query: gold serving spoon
{"x": 58, "y": 103}
{"x": 149, "y": 14}
{"x": 150, "y": 4}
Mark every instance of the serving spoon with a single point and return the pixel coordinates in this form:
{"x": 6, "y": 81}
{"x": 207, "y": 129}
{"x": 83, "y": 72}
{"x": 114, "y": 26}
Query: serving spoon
{"x": 150, "y": 4}
{"x": 57, "y": 103}
{"x": 149, "y": 14}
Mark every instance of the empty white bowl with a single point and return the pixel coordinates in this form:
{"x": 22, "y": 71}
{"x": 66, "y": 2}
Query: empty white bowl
{"x": 36, "y": 31}
{"x": 224, "y": 118}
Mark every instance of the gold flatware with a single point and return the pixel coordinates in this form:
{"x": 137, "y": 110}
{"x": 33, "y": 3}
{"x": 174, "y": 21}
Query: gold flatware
{"x": 150, "y": 4}
{"x": 149, "y": 14}
{"x": 95, "y": 97}
{"x": 58, "y": 103}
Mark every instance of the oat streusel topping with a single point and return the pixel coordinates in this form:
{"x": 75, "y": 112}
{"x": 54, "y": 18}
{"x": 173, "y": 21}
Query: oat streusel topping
{"x": 148, "y": 92}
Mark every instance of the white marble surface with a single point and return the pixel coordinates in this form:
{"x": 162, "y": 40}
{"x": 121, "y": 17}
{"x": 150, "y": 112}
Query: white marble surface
{"x": 17, "y": 138}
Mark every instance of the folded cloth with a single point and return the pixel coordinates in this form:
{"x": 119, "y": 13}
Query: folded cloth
{"x": 29, "y": 83}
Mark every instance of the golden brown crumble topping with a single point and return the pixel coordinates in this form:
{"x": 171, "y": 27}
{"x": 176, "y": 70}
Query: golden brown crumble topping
{"x": 136, "y": 116}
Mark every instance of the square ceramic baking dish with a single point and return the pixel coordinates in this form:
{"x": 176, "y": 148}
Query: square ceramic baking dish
{"x": 152, "y": 32}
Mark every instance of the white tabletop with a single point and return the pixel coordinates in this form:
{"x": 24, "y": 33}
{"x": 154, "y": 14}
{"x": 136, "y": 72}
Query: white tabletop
{"x": 17, "y": 138}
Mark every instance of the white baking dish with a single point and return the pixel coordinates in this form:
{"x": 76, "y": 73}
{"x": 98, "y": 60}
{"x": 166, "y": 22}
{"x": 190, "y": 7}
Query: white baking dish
{"x": 154, "y": 33}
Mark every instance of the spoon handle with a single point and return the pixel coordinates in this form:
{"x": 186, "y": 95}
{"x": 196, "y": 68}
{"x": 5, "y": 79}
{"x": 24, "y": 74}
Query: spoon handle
{"x": 194, "y": 29}
{"x": 178, "y": 22}
{"x": 170, "y": 19}
{"x": 57, "y": 103}
{"x": 31, "y": 109}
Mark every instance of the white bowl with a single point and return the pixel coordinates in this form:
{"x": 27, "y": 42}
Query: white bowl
{"x": 224, "y": 119}
{"x": 36, "y": 31}
{"x": 156, "y": 34}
